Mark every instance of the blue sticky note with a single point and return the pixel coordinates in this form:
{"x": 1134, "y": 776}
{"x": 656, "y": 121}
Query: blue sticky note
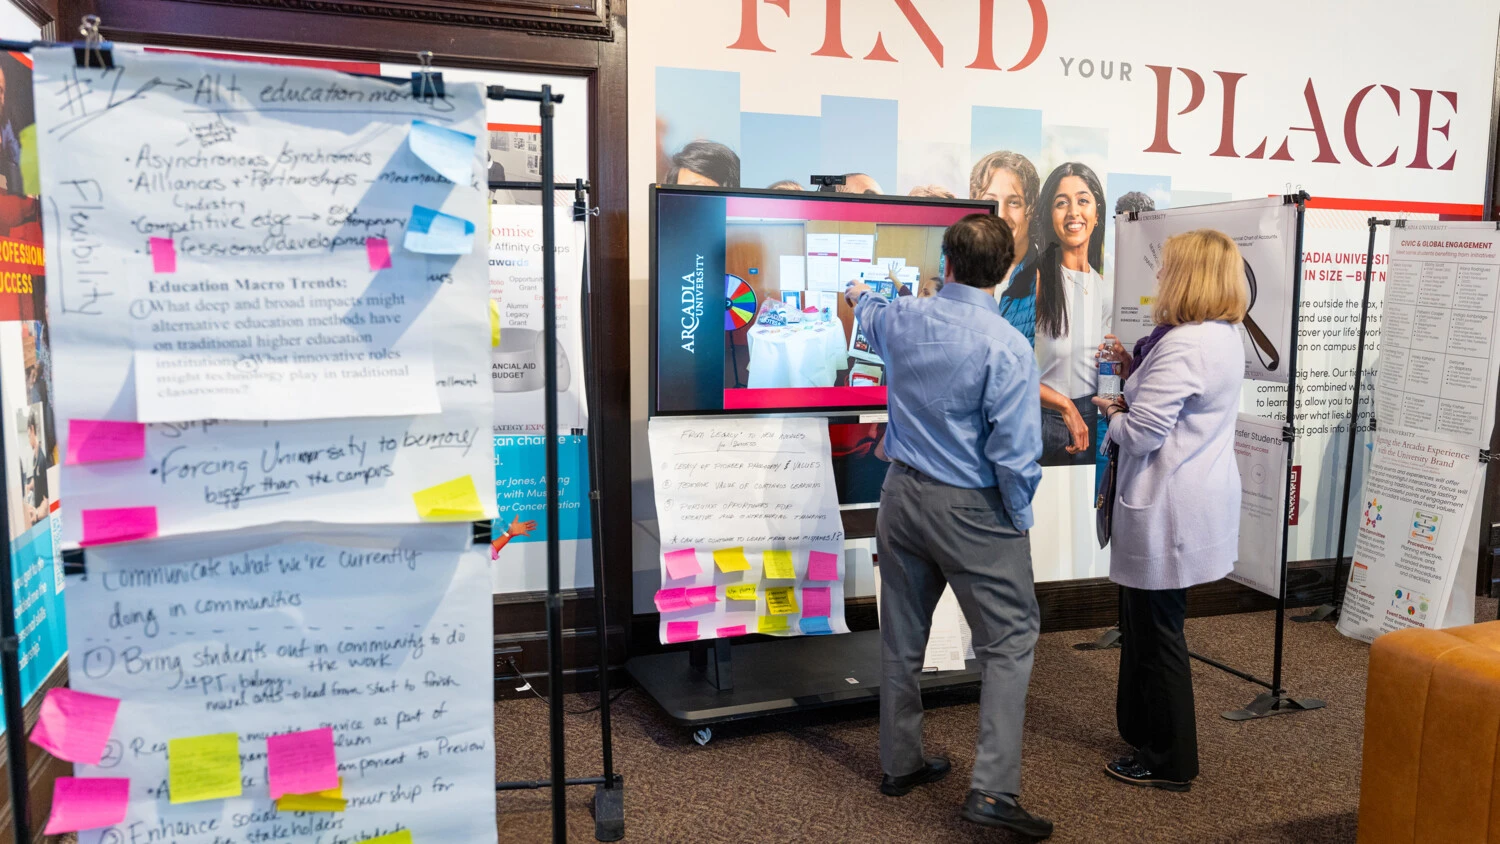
{"x": 435, "y": 233}
{"x": 447, "y": 151}
{"x": 815, "y": 626}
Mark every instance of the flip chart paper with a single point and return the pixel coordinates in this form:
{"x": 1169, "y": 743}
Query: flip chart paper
{"x": 731, "y": 559}
{"x": 450, "y": 153}
{"x": 118, "y": 524}
{"x": 764, "y": 531}
{"x": 403, "y": 615}
{"x": 163, "y": 255}
{"x": 779, "y": 565}
{"x": 740, "y": 592}
{"x": 74, "y": 725}
{"x": 455, "y": 500}
{"x": 816, "y": 602}
{"x": 87, "y": 803}
{"x": 780, "y": 600}
{"x": 204, "y": 767}
{"x": 98, "y": 441}
{"x": 697, "y": 596}
{"x": 330, "y": 800}
{"x": 431, "y": 232}
{"x": 378, "y": 252}
{"x": 682, "y": 631}
{"x": 302, "y": 762}
{"x": 771, "y": 624}
{"x": 814, "y": 626}
{"x": 672, "y": 600}
{"x": 257, "y": 299}
{"x": 822, "y": 565}
{"x": 682, "y": 563}
{"x": 726, "y": 632}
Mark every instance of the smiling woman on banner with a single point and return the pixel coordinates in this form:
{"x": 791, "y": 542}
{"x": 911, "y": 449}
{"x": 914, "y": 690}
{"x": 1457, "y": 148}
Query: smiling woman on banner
{"x": 1176, "y": 516}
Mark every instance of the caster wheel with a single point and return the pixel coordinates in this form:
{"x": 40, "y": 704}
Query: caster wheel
{"x": 703, "y": 736}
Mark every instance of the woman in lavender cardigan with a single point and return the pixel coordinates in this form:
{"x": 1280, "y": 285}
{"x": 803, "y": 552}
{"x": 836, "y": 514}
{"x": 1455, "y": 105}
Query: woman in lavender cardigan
{"x": 1177, "y": 509}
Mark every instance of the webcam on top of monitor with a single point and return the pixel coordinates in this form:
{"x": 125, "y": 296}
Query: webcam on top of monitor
{"x": 826, "y": 183}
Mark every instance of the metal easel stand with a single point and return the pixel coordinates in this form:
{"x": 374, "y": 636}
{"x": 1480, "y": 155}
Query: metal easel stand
{"x": 609, "y": 788}
{"x": 1275, "y": 700}
{"x": 1330, "y": 610}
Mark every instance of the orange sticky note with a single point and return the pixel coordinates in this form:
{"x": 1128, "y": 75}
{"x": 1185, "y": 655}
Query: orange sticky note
{"x": 118, "y": 524}
{"x": 450, "y": 501}
{"x": 98, "y": 440}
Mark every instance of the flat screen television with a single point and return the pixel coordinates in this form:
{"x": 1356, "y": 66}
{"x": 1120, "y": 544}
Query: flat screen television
{"x": 747, "y": 306}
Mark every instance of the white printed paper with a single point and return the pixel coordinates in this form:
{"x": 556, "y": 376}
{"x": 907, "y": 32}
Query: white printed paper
{"x": 1440, "y": 332}
{"x": 756, "y": 484}
{"x": 235, "y": 230}
{"x": 207, "y": 475}
{"x": 387, "y": 639}
{"x": 792, "y": 276}
{"x": 950, "y": 641}
{"x": 856, "y": 254}
{"x": 1260, "y": 451}
{"x": 1420, "y": 495}
{"x": 1265, "y": 231}
{"x": 823, "y": 261}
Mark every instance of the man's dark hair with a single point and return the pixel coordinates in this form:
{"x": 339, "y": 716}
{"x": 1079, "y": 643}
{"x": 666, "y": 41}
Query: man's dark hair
{"x": 710, "y": 159}
{"x": 1134, "y": 201}
{"x": 979, "y": 249}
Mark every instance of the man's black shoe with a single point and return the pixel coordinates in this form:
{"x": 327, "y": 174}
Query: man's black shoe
{"x": 1127, "y": 769}
{"x": 936, "y": 768}
{"x": 1003, "y": 811}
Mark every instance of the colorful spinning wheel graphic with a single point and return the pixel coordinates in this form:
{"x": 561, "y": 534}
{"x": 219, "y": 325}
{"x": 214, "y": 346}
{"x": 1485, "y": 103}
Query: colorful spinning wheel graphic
{"x": 739, "y": 302}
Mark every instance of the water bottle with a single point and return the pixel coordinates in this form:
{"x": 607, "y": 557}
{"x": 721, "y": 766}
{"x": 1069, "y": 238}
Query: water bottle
{"x": 1109, "y": 382}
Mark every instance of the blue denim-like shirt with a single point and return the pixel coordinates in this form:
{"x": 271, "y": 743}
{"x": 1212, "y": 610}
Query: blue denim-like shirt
{"x": 963, "y": 390}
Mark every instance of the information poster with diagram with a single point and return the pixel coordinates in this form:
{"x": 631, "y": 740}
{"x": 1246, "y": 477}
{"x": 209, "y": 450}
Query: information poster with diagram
{"x": 751, "y": 536}
{"x": 1260, "y": 452}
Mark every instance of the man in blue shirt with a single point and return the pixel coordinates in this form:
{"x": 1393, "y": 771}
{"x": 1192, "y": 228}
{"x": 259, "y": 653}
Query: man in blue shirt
{"x": 964, "y": 438}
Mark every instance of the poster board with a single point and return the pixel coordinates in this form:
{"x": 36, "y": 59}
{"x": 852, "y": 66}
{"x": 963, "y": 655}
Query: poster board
{"x": 1260, "y": 452}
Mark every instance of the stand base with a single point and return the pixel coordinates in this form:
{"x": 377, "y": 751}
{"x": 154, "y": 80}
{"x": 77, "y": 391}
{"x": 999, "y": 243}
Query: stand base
{"x": 609, "y": 811}
{"x": 1267, "y": 704}
{"x": 778, "y": 676}
{"x": 1108, "y": 639}
{"x": 1327, "y": 612}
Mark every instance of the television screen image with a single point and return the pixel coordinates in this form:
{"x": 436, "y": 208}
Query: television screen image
{"x": 747, "y": 293}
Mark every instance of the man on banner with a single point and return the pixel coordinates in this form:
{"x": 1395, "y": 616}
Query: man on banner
{"x": 964, "y": 438}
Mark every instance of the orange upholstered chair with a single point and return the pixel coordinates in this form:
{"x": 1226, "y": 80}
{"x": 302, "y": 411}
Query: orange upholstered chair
{"x": 1431, "y": 770}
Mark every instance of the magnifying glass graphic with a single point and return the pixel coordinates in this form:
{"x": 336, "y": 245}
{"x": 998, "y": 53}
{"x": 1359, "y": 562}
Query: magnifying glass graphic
{"x": 1264, "y": 348}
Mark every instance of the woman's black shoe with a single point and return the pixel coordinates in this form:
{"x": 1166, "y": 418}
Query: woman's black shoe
{"x": 1127, "y": 769}
{"x": 1003, "y": 811}
{"x": 936, "y": 768}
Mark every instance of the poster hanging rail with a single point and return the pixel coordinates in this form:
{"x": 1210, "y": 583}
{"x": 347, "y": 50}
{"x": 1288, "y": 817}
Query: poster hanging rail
{"x": 1330, "y": 610}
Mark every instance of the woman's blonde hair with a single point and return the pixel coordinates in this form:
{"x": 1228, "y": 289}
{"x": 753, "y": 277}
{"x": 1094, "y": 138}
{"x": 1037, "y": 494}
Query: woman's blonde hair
{"x": 1202, "y": 279}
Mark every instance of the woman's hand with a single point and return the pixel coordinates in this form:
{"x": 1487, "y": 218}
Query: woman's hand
{"x": 1076, "y": 426}
{"x": 1113, "y": 350}
{"x": 520, "y": 528}
{"x": 1109, "y": 407}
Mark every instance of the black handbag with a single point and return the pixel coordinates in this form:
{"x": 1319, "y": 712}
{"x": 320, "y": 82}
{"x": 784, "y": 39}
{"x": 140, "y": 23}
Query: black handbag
{"x": 1104, "y": 504}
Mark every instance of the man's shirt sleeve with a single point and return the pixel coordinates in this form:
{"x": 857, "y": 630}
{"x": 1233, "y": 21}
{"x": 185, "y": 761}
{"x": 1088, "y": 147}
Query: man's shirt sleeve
{"x": 872, "y": 311}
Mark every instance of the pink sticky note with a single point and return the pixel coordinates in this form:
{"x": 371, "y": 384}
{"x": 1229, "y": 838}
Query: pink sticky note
{"x": 96, "y": 440}
{"x": 726, "y": 632}
{"x": 378, "y": 249}
{"x": 682, "y": 631}
{"x": 75, "y": 725}
{"x": 700, "y": 595}
{"x": 671, "y": 600}
{"x": 822, "y": 565}
{"x": 816, "y": 602}
{"x": 163, "y": 255}
{"x": 118, "y": 524}
{"x": 301, "y": 763}
{"x": 682, "y": 563}
{"x": 87, "y": 803}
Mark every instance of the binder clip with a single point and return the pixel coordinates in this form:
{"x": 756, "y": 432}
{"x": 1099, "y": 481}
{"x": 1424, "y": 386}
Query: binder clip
{"x": 1485, "y": 456}
{"x": 73, "y": 562}
{"x": 94, "y": 52}
{"x": 1132, "y": 215}
{"x": 425, "y": 84}
{"x": 1400, "y": 224}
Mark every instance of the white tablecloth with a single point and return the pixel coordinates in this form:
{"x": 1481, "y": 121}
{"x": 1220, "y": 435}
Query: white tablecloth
{"x": 796, "y": 355}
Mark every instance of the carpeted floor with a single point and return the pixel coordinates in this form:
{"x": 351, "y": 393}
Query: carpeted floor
{"x": 814, "y": 777}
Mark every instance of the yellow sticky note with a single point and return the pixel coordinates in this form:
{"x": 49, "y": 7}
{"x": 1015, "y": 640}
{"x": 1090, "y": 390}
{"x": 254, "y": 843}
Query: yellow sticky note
{"x": 204, "y": 767}
{"x": 331, "y": 800}
{"x": 494, "y": 323}
{"x": 779, "y": 565}
{"x": 731, "y": 559}
{"x": 781, "y": 600}
{"x": 399, "y": 837}
{"x": 740, "y": 591}
{"x": 450, "y": 501}
{"x": 31, "y": 178}
{"x": 771, "y": 624}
